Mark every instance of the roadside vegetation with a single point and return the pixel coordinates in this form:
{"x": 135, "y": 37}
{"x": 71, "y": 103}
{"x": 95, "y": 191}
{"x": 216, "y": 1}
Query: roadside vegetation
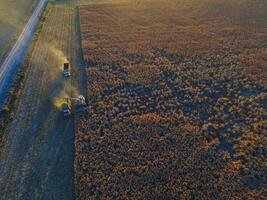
{"x": 13, "y": 16}
{"x": 7, "y": 113}
{"x": 177, "y": 103}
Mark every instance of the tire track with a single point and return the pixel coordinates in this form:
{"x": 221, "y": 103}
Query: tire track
{"x": 39, "y": 136}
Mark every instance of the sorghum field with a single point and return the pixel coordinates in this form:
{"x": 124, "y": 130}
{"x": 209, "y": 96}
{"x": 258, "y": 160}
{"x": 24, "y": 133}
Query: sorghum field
{"x": 177, "y": 100}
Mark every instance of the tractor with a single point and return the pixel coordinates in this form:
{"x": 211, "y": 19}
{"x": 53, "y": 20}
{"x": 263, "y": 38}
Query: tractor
{"x": 66, "y": 70}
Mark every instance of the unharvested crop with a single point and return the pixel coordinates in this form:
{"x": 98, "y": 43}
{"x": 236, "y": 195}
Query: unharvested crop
{"x": 176, "y": 103}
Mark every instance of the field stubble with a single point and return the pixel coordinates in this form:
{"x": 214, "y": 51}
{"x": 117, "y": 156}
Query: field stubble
{"x": 37, "y": 159}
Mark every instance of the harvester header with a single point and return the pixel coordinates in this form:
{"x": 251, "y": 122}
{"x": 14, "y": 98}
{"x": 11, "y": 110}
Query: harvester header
{"x": 70, "y": 105}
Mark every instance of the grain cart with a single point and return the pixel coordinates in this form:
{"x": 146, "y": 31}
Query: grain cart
{"x": 66, "y": 70}
{"x": 71, "y": 105}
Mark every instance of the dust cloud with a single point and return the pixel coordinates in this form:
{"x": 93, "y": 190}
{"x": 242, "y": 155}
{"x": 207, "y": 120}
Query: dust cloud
{"x": 58, "y": 55}
{"x": 60, "y": 99}
{"x": 69, "y": 91}
{"x": 66, "y": 89}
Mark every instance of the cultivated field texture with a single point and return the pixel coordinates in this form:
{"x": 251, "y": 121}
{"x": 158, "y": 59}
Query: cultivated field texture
{"x": 177, "y": 101}
{"x": 13, "y": 17}
{"x": 38, "y": 153}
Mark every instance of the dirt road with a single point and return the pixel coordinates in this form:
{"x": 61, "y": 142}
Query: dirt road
{"x": 17, "y": 53}
{"x": 37, "y": 161}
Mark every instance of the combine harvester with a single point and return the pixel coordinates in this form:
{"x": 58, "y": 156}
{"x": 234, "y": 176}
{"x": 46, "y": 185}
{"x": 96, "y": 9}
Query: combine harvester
{"x": 71, "y": 105}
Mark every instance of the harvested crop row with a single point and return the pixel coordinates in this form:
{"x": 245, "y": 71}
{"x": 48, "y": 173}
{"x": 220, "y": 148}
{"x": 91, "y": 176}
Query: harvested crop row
{"x": 37, "y": 160}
